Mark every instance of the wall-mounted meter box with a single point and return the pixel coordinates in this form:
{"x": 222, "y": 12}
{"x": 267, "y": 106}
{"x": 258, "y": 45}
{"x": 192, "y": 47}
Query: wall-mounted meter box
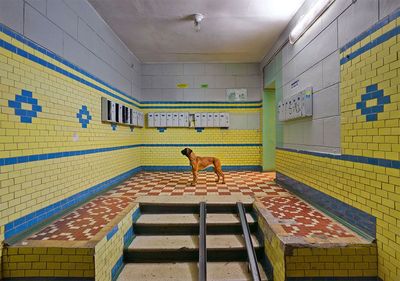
{"x": 175, "y": 119}
{"x": 197, "y": 120}
{"x": 128, "y": 116}
{"x": 115, "y": 112}
{"x": 183, "y": 119}
{"x": 296, "y": 106}
{"x": 169, "y": 119}
{"x": 224, "y": 120}
{"x": 140, "y": 119}
{"x": 163, "y": 119}
{"x": 203, "y": 119}
{"x": 134, "y": 118}
{"x": 150, "y": 120}
{"x": 125, "y": 119}
{"x": 157, "y": 120}
{"x": 216, "y": 122}
{"x": 210, "y": 119}
{"x": 107, "y": 110}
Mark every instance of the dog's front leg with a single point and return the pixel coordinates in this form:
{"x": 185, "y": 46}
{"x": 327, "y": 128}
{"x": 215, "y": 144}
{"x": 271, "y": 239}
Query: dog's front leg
{"x": 195, "y": 174}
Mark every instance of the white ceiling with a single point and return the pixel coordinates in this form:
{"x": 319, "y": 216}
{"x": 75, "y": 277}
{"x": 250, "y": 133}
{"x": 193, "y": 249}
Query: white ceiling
{"x": 232, "y": 31}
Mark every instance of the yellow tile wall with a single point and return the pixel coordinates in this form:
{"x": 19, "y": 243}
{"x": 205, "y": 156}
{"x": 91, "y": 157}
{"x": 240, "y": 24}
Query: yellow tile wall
{"x": 108, "y": 252}
{"x": 28, "y": 187}
{"x": 380, "y": 65}
{"x": 373, "y": 189}
{"x": 332, "y": 262}
{"x": 48, "y": 262}
{"x": 274, "y": 250}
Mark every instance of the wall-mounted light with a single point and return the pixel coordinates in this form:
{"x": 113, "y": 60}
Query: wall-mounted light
{"x": 197, "y": 21}
{"x": 308, "y": 19}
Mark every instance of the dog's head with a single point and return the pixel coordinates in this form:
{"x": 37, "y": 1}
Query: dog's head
{"x": 186, "y": 151}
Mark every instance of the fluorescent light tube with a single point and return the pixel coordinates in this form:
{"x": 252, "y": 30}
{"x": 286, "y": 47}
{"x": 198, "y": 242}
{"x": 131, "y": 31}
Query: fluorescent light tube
{"x": 308, "y": 19}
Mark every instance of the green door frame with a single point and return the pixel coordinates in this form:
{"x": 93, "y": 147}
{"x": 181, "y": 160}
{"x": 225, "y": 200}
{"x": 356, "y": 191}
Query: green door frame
{"x": 269, "y": 129}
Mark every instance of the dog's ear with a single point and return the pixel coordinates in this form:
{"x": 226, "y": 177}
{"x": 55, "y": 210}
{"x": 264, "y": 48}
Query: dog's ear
{"x": 188, "y": 151}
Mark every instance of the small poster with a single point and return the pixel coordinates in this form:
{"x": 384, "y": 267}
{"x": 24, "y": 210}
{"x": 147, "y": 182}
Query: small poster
{"x": 236, "y": 94}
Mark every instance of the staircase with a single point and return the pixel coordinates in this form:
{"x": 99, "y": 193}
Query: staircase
{"x": 169, "y": 238}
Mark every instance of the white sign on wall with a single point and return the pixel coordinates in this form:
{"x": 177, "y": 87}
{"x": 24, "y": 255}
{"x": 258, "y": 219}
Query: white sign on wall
{"x": 296, "y": 106}
{"x": 236, "y": 94}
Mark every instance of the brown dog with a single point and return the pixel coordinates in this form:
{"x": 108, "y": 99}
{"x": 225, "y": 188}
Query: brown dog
{"x": 199, "y": 163}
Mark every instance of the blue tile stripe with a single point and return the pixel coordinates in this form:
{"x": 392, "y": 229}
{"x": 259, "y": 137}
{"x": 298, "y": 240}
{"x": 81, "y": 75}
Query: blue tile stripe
{"x": 117, "y": 268}
{"x": 55, "y": 155}
{"x": 200, "y": 102}
{"x": 112, "y": 232}
{"x": 126, "y": 98}
{"x": 349, "y": 215}
{"x": 202, "y": 144}
{"x": 371, "y": 30}
{"x": 201, "y": 107}
{"x": 384, "y": 37}
{"x": 128, "y": 236}
{"x": 20, "y": 225}
{"x": 210, "y": 169}
{"x": 352, "y": 158}
{"x": 136, "y": 214}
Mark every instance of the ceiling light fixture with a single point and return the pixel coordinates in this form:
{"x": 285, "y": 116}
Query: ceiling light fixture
{"x": 308, "y": 19}
{"x": 197, "y": 20}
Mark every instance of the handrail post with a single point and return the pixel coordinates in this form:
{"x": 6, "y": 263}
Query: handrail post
{"x": 251, "y": 254}
{"x": 202, "y": 243}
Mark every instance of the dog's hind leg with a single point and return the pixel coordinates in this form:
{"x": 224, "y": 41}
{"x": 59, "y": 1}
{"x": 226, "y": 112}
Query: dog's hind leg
{"x": 217, "y": 173}
{"x": 220, "y": 174}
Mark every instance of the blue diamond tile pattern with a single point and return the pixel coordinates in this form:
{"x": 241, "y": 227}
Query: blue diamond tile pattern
{"x": 372, "y": 93}
{"x": 84, "y": 116}
{"x": 25, "y": 106}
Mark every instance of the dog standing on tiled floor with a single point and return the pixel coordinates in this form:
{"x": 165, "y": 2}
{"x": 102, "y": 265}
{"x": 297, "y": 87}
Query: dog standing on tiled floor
{"x": 199, "y": 163}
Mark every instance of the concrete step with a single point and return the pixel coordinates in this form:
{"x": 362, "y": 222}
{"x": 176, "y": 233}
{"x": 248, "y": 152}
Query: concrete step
{"x": 216, "y": 271}
{"x": 186, "y": 242}
{"x": 179, "y": 219}
{"x": 185, "y": 248}
{"x": 191, "y": 208}
{"x": 187, "y": 224}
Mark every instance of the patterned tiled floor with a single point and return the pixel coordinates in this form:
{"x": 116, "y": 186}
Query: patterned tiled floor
{"x": 296, "y": 217}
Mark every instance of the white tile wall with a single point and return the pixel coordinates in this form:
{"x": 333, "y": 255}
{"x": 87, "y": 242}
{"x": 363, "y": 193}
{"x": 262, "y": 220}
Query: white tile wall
{"x": 218, "y": 77}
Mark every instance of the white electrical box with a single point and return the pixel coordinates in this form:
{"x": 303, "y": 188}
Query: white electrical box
{"x": 203, "y": 119}
{"x": 175, "y": 119}
{"x": 224, "y": 120}
{"x": 210, "y": 119}
{"x": 216, "y": 120}
{"x": 115, "y": 112}
{"x": 129, "y": 116}
{"x": 107, "y": 110}
{"x": 197, "y": 120}
{"x": 157, "y": 120}
{"x": 140, "y": 119}
{"x": 281, "y": 111}
{"x": 134, "y": 117}
{"x": 150, "y": 119}
{"x": 183, "y": 120}
{"x": 296, "y": 106}
{"x": 169, "y": 119}
{"x": 163, "y": 119}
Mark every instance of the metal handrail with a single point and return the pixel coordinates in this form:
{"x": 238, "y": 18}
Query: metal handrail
{"x": 251, "y": 254}
{"x": 202, "y": 243}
